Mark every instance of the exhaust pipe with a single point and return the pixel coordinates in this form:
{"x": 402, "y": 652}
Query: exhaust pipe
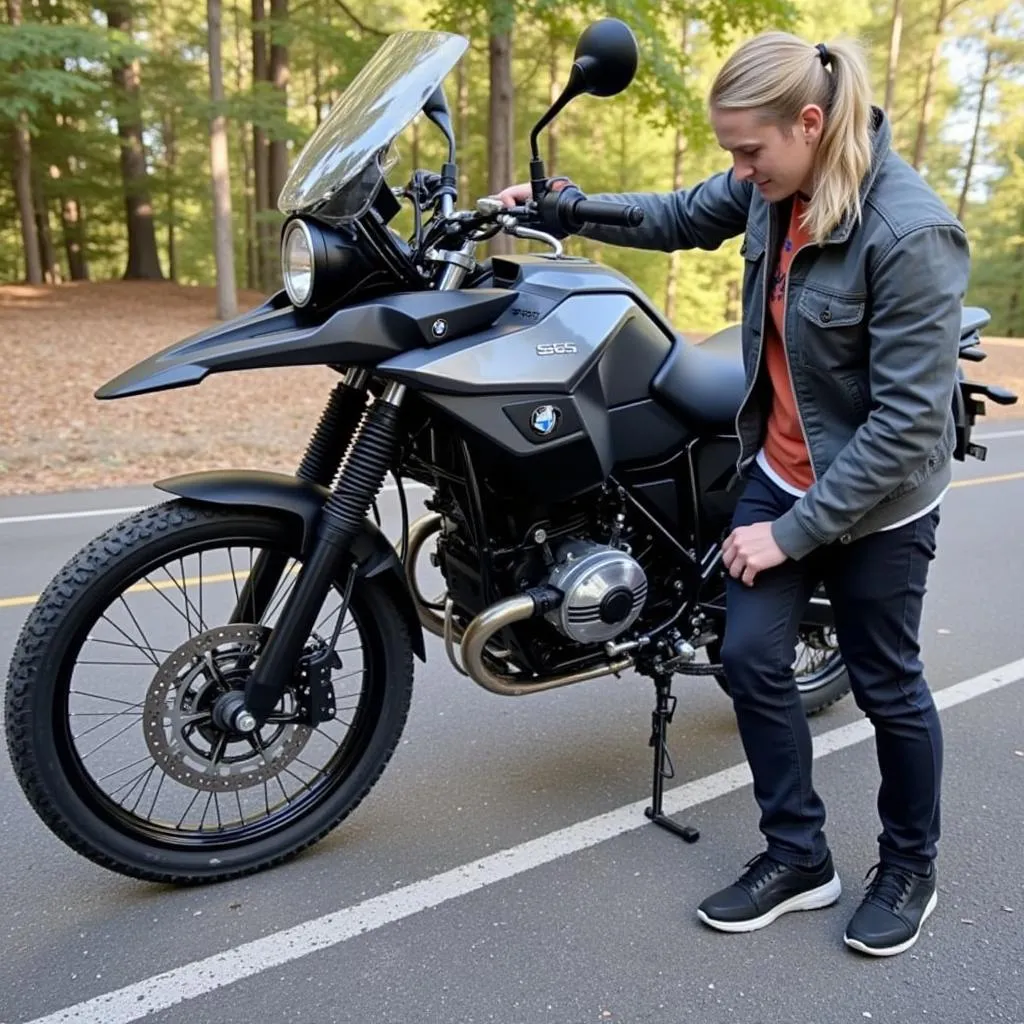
{"x": 420, "y": 532}
{"x": 494, "y": 619}
{"x": 491, "y": 621}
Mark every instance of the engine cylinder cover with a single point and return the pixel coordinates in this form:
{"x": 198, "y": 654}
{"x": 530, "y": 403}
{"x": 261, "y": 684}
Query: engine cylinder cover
{"x": 604, "y": 590}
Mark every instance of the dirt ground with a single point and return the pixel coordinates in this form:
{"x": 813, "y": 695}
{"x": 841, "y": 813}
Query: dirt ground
{"x": 57, "y": 345}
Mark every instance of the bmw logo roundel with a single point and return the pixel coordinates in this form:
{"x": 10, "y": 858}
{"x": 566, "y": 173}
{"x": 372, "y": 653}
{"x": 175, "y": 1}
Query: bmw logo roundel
{"x": 544, "y": 419}
{"x": 439, "y": 328}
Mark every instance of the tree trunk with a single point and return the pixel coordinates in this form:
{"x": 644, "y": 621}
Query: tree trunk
{"x": 47, "y": 250}
{"x": 223, "y": 236}
{"x": 279, "y": 80}
{"x": 171, "y": 151}
{"x": 74, "y": 238}
{"x": 70, "y": 216}
{"x": 317, "y": 80}
{"x": 675, "y": 258}
{"x": 895, "y": 32}
{"x": 261, "y": 154}
{"x": 143, "y": 261}
{"x": 961, "y": 205}
{"x": 500, "y": 164}
{"x": 462, "y": 124}
{"x": 1013, "y": 306}
{"x": 921, "y": 142}
{"x": 553, "y": 91}
{"x": 22, "y": 148}
{"x": 243, "y": 148}
{"x": 26, "y": 203}
{"x": 678, "y": 150}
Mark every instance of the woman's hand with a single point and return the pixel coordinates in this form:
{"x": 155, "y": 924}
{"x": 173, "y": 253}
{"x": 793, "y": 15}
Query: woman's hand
{"x": 749, "y": 550}
{"x": 516, "y": 195}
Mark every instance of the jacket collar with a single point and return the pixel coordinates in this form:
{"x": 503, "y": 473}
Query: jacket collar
{"x": 881, "y": 143}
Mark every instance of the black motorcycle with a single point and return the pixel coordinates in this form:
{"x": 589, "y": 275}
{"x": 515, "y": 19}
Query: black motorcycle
{"x": 581, "y": 464}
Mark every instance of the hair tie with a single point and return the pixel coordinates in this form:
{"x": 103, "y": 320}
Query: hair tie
{"x": 824, "y": 56}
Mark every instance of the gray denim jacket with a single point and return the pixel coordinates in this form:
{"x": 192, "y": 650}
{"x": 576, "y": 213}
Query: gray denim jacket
{"x": 872, "y": 329}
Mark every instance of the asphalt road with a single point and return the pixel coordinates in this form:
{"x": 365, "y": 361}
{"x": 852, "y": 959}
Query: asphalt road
{"x": 572, "y": 907}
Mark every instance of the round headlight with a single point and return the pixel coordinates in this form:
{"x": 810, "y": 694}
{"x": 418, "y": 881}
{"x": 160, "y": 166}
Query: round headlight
{"x": 297, "y": 262}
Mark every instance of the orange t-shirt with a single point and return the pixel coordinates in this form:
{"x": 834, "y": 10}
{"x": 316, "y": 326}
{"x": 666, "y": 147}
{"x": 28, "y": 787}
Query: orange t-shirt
{"x": 784, "y": 445}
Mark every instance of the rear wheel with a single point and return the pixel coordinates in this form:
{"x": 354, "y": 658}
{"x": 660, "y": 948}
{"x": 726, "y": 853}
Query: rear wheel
{"x": 821, "y": 674}
{"x": 115, "y": 675}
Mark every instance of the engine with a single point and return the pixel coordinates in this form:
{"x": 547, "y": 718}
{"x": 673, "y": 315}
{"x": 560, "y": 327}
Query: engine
{"x": 604, "y": 590}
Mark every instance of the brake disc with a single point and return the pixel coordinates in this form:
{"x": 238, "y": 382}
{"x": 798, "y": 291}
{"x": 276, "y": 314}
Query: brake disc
{"x": 178, "y": 722}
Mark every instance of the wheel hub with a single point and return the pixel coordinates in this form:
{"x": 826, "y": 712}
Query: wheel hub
{"x": 182, "y": 730}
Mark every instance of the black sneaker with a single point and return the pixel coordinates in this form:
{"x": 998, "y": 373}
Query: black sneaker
{"x": 767, "y": 890}
{"x": 896, "y": 905}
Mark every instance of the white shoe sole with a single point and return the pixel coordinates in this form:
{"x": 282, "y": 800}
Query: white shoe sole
{"x": 903, "y": 946}
{"x": 814, "y": 899}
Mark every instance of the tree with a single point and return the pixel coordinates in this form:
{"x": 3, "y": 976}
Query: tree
{"x": 678, "y": 149}
{"x": 927, "y": 99}
{"x": 143, "y": 261}
{"x": 982, "y": 89}
{"x": 22, "y": 147}
{"x": 895, "y": 31}
{"x": 279, "y": 80}
{"x": 224, "y": 246}
{"x": 502, "y": 108}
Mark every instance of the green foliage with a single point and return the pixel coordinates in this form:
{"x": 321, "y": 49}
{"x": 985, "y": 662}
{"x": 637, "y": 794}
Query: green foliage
{"x": 55, "y": 70}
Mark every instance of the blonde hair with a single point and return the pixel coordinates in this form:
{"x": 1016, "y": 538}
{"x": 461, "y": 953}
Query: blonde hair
{"x": 779, "y": 74}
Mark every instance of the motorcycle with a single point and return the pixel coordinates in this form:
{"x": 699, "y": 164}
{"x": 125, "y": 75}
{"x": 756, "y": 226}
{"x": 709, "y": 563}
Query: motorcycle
{"x": 580, "y": 459}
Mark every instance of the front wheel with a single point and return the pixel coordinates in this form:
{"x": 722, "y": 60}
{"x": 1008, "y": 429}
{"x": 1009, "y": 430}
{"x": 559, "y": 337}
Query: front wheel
{"x": 821, "y": 674}
{"x": 116, "y": 672}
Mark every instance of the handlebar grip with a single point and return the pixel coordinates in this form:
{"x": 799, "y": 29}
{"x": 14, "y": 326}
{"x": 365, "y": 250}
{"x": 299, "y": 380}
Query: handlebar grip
{"x": 599, "y": 211}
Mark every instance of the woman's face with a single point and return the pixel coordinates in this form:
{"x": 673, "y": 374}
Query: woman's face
{"x": 778, "y": 159}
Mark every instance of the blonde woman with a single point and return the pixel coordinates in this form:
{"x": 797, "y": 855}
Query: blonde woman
{"x": 854, "y": 277}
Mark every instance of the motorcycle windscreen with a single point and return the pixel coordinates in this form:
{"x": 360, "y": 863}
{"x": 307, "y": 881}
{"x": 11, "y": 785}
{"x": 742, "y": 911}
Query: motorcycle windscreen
{"x": 338, "y": 172}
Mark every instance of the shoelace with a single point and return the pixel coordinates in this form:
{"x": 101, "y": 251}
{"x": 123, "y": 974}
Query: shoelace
{"x": 759, "y": 870}
{"x": 889, "y": 886}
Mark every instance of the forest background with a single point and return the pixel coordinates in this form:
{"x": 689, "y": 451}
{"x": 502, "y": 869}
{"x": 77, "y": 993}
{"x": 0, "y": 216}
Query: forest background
{"x": 142, "y": 131}
{"x": 145, "y": 142}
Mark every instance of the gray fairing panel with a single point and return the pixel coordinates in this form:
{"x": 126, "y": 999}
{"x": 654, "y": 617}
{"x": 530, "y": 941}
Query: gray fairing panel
{"x": 507, "y": 358}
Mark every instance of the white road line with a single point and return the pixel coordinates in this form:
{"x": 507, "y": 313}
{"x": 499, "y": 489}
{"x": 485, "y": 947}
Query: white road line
{"x": 201, "y": 977}
{"x": 995, "y": 435}
{"x": 128, "y": 510}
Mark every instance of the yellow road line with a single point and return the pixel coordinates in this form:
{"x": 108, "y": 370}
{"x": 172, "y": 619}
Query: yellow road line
{"x": 974, "y": 481}
{"x": 172, "y": 584}
{"x": 223, "y": 577}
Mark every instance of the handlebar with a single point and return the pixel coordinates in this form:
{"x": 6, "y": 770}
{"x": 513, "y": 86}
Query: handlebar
{"x": 600, "y": 211}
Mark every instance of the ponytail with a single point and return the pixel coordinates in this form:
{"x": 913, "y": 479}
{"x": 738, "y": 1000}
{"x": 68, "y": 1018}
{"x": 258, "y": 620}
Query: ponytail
{"x": 779, "y": 74}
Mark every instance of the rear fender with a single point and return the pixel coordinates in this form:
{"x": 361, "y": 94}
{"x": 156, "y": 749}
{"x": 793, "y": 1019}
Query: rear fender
{"x": 303, "y": 502}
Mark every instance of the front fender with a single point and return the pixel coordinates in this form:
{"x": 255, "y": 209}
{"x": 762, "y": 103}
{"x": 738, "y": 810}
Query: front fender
{"x": 303, "y": 502}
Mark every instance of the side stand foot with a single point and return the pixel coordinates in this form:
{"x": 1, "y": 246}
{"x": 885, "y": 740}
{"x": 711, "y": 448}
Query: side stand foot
{"x": 663, "y": 768}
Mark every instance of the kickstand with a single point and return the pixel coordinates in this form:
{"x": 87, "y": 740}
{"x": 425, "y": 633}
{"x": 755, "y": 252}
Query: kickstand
{"x": 663, "y": 769}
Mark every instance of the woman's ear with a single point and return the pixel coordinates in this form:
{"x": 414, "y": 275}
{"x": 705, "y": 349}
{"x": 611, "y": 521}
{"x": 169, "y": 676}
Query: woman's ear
{"x": 811, "y": 123}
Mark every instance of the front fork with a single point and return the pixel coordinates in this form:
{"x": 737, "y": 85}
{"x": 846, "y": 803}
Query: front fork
{"x": 319, "y": 465}
{"x": 362, "y": 475}
{"x": 365, "y": 465}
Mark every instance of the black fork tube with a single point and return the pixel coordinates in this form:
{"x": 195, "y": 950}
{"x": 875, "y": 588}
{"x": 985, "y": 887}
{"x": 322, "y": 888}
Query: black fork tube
{"x": 361, "y": 478}
{"x": 319, "y": 465}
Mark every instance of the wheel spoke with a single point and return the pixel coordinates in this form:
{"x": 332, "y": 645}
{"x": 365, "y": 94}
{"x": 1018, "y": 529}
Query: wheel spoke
{"x": 145, "y": 640}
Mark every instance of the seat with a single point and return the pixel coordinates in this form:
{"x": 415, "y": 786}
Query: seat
{"x": 703, "y": 388}
{"x": 972, "y": 319}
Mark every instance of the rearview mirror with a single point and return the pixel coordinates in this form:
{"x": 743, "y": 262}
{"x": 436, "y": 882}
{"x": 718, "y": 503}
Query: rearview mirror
{"x": 604, "y": 63}
{"x": 606, "y": 58}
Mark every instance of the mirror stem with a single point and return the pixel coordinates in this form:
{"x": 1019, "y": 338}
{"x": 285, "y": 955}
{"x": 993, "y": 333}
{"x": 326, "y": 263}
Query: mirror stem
{"x": 572, "y": 89}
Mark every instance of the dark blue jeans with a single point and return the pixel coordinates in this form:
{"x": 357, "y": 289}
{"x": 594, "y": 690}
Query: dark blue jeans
{"x": 876, "y": 586}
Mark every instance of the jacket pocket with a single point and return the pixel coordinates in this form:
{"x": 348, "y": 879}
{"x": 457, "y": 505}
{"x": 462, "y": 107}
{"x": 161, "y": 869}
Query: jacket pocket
{"x": 833, "y": 334}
